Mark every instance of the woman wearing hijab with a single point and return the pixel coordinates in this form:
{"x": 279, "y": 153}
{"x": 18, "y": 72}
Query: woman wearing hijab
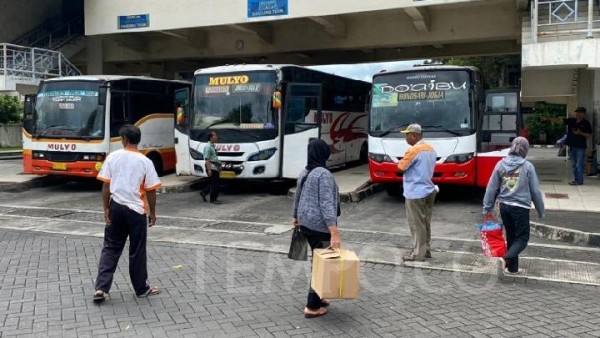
{"x": 316, "y": 211}
{"x": 515, "y": 184}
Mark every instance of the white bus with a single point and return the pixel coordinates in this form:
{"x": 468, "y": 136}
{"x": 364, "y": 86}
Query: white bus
{"x": 449, "y": 103}
{"x": 266, "y": 114}
{"x": 73, "y": 122}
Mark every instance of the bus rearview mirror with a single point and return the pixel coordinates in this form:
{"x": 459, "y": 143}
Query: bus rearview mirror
{"x": 102, "y": 96}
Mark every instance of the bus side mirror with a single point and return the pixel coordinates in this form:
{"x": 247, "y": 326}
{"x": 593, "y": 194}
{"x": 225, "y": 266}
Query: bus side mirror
{"x": 102, "y": 96}
{"x": 276, "y": 99}
{"x": 28, "y": 107}
{"x": 28, "y": 112}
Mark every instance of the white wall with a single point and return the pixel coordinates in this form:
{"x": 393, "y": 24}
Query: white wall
{"x": 101, "y": 15}
{"x": 584, "y": 53}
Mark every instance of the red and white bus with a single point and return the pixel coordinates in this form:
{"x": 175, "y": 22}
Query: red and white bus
{"x": 73, "y": 122}
{"x": 449, "y": 103}
{"x": 265, "y": 116}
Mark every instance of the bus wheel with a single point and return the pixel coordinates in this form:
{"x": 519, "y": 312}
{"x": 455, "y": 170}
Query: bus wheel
{"x": 393, "y": 189}
{"x": 364, "y": 153}
{"x": 157, "y": 162}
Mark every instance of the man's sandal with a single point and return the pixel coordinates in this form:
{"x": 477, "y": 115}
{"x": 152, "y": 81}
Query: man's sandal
{"x": 99, "y": 296}
{"x": 150, "y": 292}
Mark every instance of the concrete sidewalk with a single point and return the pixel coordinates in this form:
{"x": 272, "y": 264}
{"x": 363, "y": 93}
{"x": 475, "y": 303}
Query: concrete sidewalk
{"x": 555, "y": 174}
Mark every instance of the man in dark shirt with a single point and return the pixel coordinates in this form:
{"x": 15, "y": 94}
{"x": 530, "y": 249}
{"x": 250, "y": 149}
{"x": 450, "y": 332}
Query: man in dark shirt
{"x": 578, "y": 131}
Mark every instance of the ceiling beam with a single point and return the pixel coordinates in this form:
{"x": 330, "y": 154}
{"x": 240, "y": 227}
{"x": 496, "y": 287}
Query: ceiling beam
{"x": 134, "y": 42}
{"x": 194, "y": 38}
{"x": 262, "y": 32}
{"x": 420, "y": 18}
{"x": 334, "y": 26}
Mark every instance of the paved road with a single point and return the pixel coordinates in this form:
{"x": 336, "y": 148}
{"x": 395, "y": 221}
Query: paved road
{"x": 46, "y": 284}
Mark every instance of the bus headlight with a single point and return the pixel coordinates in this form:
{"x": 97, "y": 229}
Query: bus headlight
{"x": 380, "y": 158}
{"x": 196, "y": 155}
{"x": 37, "y": 154}
{"x": 263, "y": 155}
{"x": 92, "y": 157}
{"x": 459, "y": 158}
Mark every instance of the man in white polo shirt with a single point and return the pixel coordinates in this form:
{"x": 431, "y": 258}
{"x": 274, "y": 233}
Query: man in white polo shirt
{"x": 129, "y": 178}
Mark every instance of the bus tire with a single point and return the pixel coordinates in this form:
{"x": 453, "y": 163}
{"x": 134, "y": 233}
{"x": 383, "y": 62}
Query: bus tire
{"x": 157, "y": 162}
{"x": 392, "y": 189}
{"x": 364, "y": 153}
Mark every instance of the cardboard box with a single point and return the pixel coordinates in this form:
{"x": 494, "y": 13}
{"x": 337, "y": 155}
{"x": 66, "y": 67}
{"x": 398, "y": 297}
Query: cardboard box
{"x": 335, "y": 273}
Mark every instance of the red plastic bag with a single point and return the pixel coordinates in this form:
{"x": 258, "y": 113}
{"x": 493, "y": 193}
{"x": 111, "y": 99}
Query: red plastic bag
{"x": 492, "y": 238}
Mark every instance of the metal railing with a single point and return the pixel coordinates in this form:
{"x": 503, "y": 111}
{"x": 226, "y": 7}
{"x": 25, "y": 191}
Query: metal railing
{"x": 29, "y": 65}
{"x": 577, "y": 18}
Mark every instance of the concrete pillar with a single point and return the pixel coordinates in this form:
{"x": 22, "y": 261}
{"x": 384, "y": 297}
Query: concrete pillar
{"x": 94, "y": 56}
{"x": 595, "y": 111}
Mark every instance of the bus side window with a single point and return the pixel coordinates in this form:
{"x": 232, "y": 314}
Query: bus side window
{"x": 118, "y": 113}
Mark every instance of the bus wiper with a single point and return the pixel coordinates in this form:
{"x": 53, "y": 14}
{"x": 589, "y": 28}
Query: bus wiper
{"x": 247, "y": 132}
{"x": 453, "y": 132}
{"x": 217, "y": 123}
{"x": 40, "y": 135}
{"x": 389, "y": 130}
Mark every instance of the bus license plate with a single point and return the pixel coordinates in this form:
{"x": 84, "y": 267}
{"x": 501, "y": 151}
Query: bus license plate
{"x": 59, "y": 166}
{"x": 228, "y": 174}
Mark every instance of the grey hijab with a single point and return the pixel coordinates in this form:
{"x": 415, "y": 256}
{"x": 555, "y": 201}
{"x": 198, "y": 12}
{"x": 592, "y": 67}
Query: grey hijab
{"x": 519, "y": 147}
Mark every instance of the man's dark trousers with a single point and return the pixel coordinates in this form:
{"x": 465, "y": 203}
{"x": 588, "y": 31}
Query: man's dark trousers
{"x": 215, "y": 179}
{"x": 125, "y": 222}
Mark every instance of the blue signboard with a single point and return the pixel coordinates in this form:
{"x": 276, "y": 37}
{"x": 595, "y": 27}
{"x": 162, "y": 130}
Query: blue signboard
{"x": 134, "y": 21}
{"x": 258, "y": 8}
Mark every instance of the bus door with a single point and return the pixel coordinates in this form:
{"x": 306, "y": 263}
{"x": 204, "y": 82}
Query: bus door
{"x": 183, "y": 165}
{"x": 501, "y": 122}
{"x": 501, "y": 119}
{"x": 301, "y": 122}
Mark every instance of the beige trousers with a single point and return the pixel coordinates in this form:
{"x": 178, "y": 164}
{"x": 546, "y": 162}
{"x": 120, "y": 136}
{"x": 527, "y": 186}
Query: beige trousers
{"x": 418, "y": 212}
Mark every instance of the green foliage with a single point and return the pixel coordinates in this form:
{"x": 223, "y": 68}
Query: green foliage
{"x": 493, "y": 68}
{"x": 541, "y": 130}
{"x": 11, "y": 109}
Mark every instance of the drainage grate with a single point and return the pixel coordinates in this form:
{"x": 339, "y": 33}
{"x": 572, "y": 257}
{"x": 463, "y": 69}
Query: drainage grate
{"x": 550, "y": 180}
{"x": 557, "y": 196}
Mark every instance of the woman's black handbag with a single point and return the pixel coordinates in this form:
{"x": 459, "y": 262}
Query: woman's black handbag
{"x": 299, "y": 246}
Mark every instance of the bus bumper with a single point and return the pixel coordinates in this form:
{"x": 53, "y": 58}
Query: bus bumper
{"x": 445, "y": 173}
{"x": 79, "y": 168}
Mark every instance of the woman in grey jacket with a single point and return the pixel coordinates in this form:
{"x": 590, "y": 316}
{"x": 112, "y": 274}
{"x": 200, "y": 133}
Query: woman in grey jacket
{"x": 515, "y": 184}
{"x": 316, "y": 211}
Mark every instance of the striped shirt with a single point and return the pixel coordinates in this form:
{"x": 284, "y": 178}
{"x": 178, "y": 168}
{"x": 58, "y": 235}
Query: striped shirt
{"x": 418, "y": 164}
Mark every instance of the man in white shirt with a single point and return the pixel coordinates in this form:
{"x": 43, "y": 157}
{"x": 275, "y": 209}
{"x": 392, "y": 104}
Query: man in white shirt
{"x": 129, "y": 178}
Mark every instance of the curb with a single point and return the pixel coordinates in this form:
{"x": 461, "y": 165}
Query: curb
{"x": 355, "y": 196}
{"x": 11, "y": 155}
{"x": 544, "y": 146}
{"x": 565, "y": 235}
{"x": 43, "y": 181}
{"x": 174, "y": 189}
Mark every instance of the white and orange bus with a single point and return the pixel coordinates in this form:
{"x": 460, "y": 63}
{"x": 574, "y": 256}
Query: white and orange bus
{"x": 449, "y": 102}
{"x": 73, "y": 122}
{"x": 265, "y": 116}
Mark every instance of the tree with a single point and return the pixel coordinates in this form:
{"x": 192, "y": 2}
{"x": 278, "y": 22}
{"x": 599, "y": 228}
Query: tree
{"x": 492, "y": 68}
{"x": 11, "y": 109}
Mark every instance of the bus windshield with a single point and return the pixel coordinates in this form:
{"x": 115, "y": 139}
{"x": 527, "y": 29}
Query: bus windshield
{"x": 69, "y": 109}
{"x": 234, "y": 100}
{"x": 439, "y": 101}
